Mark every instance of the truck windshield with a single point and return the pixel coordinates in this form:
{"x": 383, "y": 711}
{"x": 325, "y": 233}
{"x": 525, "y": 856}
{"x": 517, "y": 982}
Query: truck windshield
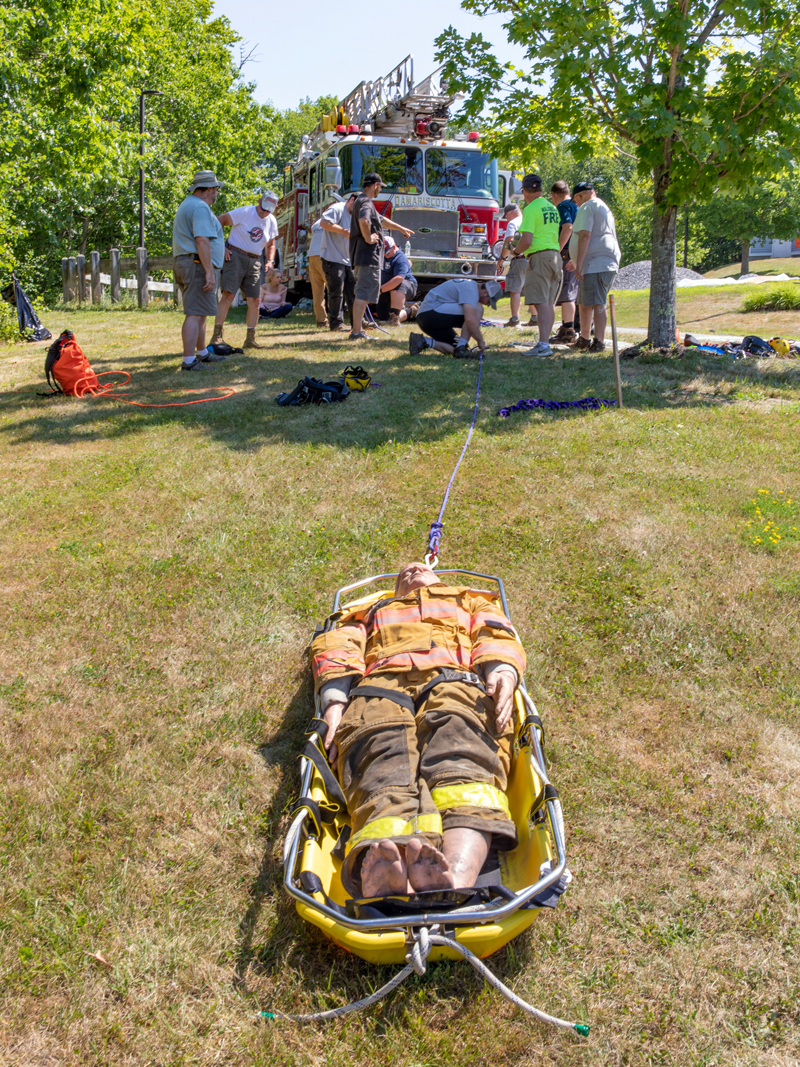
{"x": 451, "y": 171}
{"x": 400, "y": 168}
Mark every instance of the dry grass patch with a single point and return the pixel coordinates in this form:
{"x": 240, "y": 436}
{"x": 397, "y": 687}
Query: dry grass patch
{"x": 163, "y": 571}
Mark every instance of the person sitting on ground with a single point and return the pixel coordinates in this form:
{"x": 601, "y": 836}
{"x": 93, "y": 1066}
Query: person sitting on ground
{"x": 397, "y": 285}
{"x": 274, "y": 304}
{"x": 418, "y": 694}
{"x": 453, "y": 305}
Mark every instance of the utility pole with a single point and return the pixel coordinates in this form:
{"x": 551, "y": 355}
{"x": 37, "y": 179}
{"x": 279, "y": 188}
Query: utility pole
{"x": 142, "y": 95}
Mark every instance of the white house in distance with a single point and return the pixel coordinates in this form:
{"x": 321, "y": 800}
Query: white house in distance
{"x": 760, "y": 249}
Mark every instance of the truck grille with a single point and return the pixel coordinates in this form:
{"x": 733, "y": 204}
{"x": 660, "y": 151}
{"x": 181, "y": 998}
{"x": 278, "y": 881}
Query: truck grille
{"x": 435, "y": 230}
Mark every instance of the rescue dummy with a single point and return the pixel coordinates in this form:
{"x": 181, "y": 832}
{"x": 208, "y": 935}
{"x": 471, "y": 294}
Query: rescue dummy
{"x": 417, "y": 690}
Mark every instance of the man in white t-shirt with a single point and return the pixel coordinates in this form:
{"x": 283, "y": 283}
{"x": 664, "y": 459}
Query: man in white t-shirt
{"x": 253, "y": 229}
{"x": 454, "y": 305}
{"x": 594, "y": 256}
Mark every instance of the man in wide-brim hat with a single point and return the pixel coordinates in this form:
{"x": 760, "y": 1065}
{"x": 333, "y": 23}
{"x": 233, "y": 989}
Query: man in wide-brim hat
{"x": 198, "y": 250}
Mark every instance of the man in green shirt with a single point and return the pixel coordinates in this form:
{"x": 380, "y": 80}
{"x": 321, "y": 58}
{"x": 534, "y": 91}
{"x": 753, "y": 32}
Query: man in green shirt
{"x": 538, "y": 240}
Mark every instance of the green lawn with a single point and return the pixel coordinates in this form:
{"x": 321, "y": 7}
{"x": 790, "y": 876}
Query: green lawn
{"x": 790, "y": 266}
{"x": 162, "y": 572}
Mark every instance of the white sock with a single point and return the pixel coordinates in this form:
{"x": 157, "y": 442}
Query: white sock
{"x": 188, "y": 362}
{"x": 202, "y": 352}
{"x": 429, "y": 341}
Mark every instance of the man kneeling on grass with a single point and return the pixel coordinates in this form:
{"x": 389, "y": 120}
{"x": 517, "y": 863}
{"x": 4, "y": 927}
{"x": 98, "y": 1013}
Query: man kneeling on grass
{"x": 454, "y": 305}
{"x": 418, "y": 693}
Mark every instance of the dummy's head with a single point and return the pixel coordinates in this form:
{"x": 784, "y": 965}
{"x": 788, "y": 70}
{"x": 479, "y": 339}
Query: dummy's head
{"x": 414, "y": 576}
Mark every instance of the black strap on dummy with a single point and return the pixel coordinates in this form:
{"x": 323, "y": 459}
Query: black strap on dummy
{"x": 332, "y": 787}
{"x": 447, "y": 675}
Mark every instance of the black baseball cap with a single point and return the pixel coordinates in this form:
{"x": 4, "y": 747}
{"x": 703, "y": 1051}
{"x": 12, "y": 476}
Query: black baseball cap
{"x": 510, "y": 207}
{"x": 370, "y": 179}
{"x": 532, "y": 182}
{"x": 583, "y": 187}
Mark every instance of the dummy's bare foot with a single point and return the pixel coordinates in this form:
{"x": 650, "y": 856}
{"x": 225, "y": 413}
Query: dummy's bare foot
{"x": 383, "y": 870}
{"x": 427, "y": 867}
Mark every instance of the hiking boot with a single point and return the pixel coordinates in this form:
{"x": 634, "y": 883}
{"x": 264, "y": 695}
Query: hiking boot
{"x": 583, "y": 344}
{"x": 360, "y": 336}
{"x": 340, "y": 327}
{"x": 217, "y": 333}
{"x": 463, "y": 352}
{"x": 532, "y": 321}
{"x": 250, "y": 340}
{"x": 540, "y": 349}
{"x": 416, "y": 344}
{"x": 323, "y": 324}
{"x": 394, "y": 319}
{"x": 565, "y": 336}
{"x": 596, "y": 346}
{"x": 197, "y": 365}
{"x": 211, "y": 356}
{"x": 513, "y": 321}
{"x": 411, "y": 311}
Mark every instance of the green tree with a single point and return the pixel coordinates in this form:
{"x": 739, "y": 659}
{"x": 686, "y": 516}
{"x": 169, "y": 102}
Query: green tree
{"x": 771, "y": 210}
{"x": 703, "y": 94}
{"x": 286, "y": 132}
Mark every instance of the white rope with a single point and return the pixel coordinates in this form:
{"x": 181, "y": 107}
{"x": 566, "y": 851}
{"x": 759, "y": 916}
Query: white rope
{"x": 418, "y": 962}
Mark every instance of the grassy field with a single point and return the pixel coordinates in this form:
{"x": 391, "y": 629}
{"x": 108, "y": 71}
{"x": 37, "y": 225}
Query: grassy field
{"x": 711, "y": 309}
{"x": 790, "y": 266}
{"x": 162, "y": 571}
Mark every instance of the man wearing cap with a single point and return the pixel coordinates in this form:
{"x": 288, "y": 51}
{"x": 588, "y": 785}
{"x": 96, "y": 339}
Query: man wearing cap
{"x": 366, "y": 250}
{"x": 198, "y": 249}
{"x": 538, "y": 241}
{"x": 397, "y": 284}
{"x": 253, "y": 229}
{"x": 335, "y": 255}
{"x": 454, "y": 305}
{"x": 594, "y": 252}
{"x": 518, "y": 265}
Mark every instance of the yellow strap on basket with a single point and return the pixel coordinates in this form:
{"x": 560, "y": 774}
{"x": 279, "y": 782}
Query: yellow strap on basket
{"x": 470, "y": 794}
{"x": 389, "y": 826}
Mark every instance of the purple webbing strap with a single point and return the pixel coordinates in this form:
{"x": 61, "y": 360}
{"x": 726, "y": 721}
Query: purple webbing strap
{"x": 437, "y": 527}
{"x": 588, "y": 403}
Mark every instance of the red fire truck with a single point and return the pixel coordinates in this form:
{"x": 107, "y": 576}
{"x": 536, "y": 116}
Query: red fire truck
{"x": 444, "y": 188}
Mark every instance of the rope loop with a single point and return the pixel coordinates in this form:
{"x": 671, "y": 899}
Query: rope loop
{"x": 420, "y": 951}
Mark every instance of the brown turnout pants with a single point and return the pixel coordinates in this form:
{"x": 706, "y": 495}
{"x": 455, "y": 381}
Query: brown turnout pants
{"x": 425, "y": 772}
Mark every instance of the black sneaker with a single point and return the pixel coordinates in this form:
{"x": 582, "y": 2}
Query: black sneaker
{"x": 196, "y": 365}
{"x": 360, "y": 336}
{"x": 211, "y": 356}
{"x": 596, "y": 346}
{"x": 416, "y": 344}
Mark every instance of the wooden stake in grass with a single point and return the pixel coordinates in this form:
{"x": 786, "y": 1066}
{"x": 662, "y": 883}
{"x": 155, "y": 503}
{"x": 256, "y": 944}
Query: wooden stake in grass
{"x": 615, "y": 347}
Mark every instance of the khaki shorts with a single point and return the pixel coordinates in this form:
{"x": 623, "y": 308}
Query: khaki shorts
{"x": 544, "y": 277}
{"x": 515, "y": 279}
{"x": 368, "y": 282}
{"x": 242, "y": 272}
{"x": 593, "y": 290}
{"x": 190, "y": 279}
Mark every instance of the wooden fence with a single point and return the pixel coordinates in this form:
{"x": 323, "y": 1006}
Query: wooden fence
{"x": 80, "y": 286}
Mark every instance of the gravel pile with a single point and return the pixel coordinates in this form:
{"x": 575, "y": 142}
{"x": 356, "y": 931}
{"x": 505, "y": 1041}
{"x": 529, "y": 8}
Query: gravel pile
{"x": 637, "y": 275}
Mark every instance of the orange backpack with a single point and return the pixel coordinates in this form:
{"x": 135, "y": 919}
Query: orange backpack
{"x": 67, "y": 368}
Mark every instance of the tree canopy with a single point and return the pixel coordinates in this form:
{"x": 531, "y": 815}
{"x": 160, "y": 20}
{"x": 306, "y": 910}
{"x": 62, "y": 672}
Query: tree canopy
{"x": 70, "y": 77}
{"x": 703, "y": 94}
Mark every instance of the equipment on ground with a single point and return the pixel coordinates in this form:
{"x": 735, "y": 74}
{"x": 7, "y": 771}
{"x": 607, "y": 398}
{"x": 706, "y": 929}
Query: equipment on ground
{"x": 67, "y": 369}
{"x": 781, "y": 346}
{"x": 26, "y": 317}
{"x": 512, "y": 888}
{"x": 356, "y": 379}
{"x": 312, "y": 391}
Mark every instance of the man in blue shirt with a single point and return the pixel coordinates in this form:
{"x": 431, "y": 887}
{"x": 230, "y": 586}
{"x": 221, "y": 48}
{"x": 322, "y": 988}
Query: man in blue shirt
{"x": 567, "y": 210}
{"x": 198, "y": 251}
{"x": 397, "y": 284}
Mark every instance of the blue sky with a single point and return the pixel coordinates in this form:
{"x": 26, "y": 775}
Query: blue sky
{"x": 307, "y": 49}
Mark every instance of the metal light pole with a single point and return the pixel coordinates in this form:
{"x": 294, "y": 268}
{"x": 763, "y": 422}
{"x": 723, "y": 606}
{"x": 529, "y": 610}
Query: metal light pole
{"x": 142, "y": 95}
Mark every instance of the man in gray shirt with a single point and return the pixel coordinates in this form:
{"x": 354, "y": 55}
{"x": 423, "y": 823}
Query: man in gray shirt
{"x": 198, "y": 250}
{"x": 594, "y": 256}
{"x": 335, "y": 255}
{"x": 454, "y": 305}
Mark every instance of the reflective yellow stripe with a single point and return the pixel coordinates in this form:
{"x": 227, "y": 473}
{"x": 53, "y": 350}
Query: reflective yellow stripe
{"x": 378, "y": 829}
{"x": 392, "y": 827}
{"x": 473, "y": 794}
{"x": 425, "y": 824}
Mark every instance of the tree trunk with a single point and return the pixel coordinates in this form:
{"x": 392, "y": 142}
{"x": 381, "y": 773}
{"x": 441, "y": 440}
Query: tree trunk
{"x": 662, "y": 320}
{"x": 745, "y": 257}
